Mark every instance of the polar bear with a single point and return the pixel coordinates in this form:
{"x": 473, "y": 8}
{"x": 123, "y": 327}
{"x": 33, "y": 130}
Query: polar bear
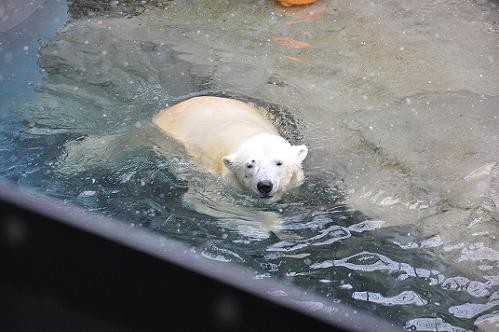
{"x": 234, "y": 140}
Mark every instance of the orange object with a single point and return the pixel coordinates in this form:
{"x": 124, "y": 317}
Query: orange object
{"x": 294, "y": 59}
{"x": 289, "y": 3}
{"x": 291, "y": 43}
{"x": 312, "y": 14}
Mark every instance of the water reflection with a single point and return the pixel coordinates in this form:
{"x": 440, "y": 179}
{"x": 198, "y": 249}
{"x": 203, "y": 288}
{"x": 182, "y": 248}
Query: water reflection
{"x": 404, "y": 298}
{"x": 432, "y": 324}
{"x": 369, "y": 262}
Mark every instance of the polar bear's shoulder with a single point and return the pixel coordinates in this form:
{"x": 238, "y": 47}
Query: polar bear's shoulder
{"x": 212, "y": 127}
{"x": 210, "y": 110}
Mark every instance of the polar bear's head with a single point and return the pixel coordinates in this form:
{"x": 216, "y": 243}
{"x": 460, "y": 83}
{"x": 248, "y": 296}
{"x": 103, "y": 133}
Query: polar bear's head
{"x": 267, "y": 165}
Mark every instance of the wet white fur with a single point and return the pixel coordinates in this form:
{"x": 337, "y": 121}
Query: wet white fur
{"x": 224, "y": 135}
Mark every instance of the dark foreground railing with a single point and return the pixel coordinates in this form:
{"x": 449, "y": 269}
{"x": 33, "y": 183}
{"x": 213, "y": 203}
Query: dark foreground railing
{"x": 65, "y": 270}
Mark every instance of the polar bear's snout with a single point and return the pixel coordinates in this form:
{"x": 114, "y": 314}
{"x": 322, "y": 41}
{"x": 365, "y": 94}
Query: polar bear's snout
{"x": 267, "y": 165}
{"x": 265, "y": 187}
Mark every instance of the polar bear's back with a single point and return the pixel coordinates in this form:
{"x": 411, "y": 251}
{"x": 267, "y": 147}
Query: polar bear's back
{"x": 212, "y": 127}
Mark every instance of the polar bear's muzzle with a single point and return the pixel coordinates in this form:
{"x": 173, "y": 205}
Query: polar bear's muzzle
{"x": 265, "y": 188}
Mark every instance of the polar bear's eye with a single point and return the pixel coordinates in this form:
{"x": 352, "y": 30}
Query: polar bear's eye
{"x": 249, "y": 166}
{"x": 278, "y": 163}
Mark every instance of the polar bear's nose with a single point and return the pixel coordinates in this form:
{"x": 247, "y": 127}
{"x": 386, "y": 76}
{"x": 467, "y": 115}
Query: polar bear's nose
{"x": 264, "y": 187}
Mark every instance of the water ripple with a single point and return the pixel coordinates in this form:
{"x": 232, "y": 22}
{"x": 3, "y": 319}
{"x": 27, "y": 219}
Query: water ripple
{"x": 369, "y": 262}
{"x": 470, "y": 310}
{"x": 325, "y": 236}
{"x": 329, "y": 235}
{"x": 477, "y": 252}
{"x": 474, "y": 288}
{"x": 368, "y": 225}
{"x": 406, "y": 297}
{"x": 432, "y": 324}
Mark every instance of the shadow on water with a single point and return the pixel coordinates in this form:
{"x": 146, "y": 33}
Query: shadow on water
{"x": 86, "y": 138}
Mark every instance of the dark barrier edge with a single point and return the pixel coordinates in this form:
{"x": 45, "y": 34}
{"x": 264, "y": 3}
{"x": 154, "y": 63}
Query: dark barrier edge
{"x": 177, "y": 253}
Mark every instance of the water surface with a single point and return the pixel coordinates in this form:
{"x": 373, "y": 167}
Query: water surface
{"x": 397, "y": 101}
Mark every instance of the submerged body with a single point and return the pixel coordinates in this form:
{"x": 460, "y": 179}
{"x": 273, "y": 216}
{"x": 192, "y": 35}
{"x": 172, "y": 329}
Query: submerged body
{"x": 234, "y": 140}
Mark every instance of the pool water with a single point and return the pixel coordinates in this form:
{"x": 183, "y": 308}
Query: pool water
{"x": 397, "y": 101}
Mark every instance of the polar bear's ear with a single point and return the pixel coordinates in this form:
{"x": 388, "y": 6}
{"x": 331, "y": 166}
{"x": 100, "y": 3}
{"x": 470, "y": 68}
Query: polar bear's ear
{"x": 301, "y": 152}
{"x": 229, "y": 160}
